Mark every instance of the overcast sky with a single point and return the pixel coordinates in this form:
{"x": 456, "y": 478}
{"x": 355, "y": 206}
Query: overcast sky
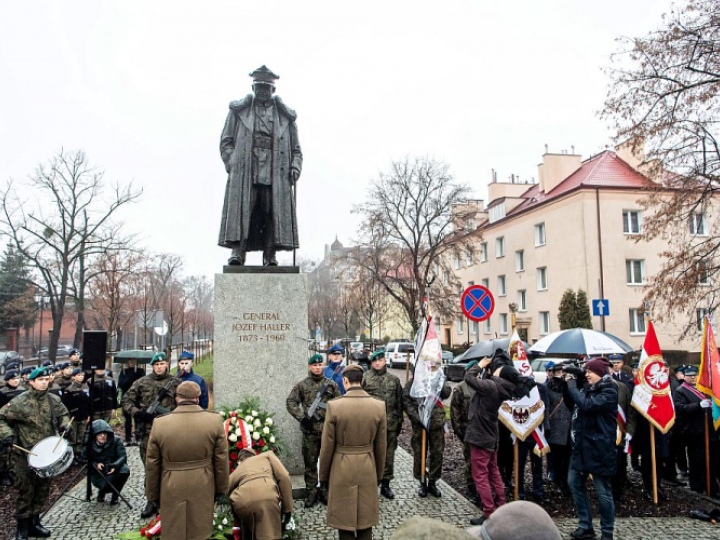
{"x": 143, "y": 87}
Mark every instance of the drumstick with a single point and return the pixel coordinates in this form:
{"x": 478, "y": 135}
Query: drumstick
{"x": 62, "y": 436}
{"x": 23, "y": 450}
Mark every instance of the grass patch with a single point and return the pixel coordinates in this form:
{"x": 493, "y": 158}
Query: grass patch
{"x": 204, "y": 368}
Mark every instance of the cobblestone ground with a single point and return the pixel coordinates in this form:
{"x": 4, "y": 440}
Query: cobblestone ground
{"x": 74, "y": 519}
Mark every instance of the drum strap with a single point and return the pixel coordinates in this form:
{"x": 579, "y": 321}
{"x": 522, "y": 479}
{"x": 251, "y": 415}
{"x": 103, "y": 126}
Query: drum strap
{"x": 53, "y": 418}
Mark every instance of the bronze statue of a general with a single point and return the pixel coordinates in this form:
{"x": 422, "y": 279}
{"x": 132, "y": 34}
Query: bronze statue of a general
{"x": 262, "y": 156}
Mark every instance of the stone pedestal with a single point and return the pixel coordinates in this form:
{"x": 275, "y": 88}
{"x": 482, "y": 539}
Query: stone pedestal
{"x": 261, "y": 325}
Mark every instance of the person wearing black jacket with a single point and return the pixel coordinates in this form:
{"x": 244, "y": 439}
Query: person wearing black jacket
{"x": 128, "y": 375}
{"x": 108, "y": 456}
{"x": 594, "y": 431}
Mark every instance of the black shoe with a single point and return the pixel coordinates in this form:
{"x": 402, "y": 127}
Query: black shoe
{"x": 322, "y": 495}
{"x": 5, "y": 480}
{"x": 606, "y": 536}
{"x": 385, "y": 490}
{"x": 311, "y": 500}
{"x": 149, "y": 510}
{"x": 423, "y": 490}
{"x": 673, "y": 481}
{"x": 22, "y": 529}
{"x": 101, "y": 496}
{"x": 114, "y": 499}
{"x": 478, "y": 520}
{"x": 583, "y": 534}
{"x": 36, "y": 528}
{"x": 433, "y": 489}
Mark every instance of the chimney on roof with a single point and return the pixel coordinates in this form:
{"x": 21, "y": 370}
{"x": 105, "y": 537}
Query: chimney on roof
{"x": 555, "y": 168}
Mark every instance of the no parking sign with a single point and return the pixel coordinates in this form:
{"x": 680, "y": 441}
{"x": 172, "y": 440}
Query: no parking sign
{"x": 477, "y": 303}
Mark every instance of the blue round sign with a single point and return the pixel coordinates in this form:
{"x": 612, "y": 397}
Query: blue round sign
{"x": 477, "y": 303}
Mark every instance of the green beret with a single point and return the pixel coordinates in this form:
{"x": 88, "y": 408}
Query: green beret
{"x": 316, "y": 359}
{"x": 377, "y": 356}
{"x": 158, "y": 357}
{"x": 39, "y": 372}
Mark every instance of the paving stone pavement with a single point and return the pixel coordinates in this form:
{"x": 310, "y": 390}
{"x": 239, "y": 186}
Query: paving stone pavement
{"x": 74, "y": 519}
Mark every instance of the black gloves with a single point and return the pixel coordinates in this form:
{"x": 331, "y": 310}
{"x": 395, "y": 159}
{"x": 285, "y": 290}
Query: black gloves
{"x": 285, "y": 518}
{"x": 65, "y": 431}
{"x": 218, "y": 497}
{"x": 306, "y": 423}
{"x": 7, "y": 442}
{"x": 144, "y": 417}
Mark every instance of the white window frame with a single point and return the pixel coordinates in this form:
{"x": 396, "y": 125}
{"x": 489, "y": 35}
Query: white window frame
{"x": 540, "y": 235}
{"x": 503, "y": 324}
{"x": 703, "y": 271}
{"x": 520, "y": 260}
{"x": 500, "y": 247}
{"x": 522, "y": 300}
{"x": 698, "y": 224}
{"x": 460, "y": 325}
{"x": 544, "y": 323}
{"x": 476, "y": 329}
{"x": 458, "y": 263}
{"x": 542, "y": 271}
{"x": 446, "y": 278}
{"x": 627, "y": 222}
{"x": 631, "y": 270}
{"x": 699, "y": 315}
{"x": 485, "y": 282}
{"x": 502, "y": 285}
{"x": 483, "y": 252}
{"x": 637, "y": 322}
{"x": 469, "y": 257}
{"x": 487, "y": 329}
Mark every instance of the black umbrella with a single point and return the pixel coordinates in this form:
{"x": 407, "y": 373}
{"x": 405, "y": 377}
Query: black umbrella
{"x": 488, "y": 348}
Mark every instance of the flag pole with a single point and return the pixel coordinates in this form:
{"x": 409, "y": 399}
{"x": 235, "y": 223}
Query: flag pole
{"x": 654, "y": 467}
{"x": 516, "y": 470}
{"x": 707, "y": 455}
{"x": 422, "y": 457}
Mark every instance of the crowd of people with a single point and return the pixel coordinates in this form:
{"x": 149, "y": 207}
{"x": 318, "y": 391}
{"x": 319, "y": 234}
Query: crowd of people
{"x": 350, "y": 422}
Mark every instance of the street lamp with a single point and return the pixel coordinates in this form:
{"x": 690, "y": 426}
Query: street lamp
{"x": 40, "y": 301}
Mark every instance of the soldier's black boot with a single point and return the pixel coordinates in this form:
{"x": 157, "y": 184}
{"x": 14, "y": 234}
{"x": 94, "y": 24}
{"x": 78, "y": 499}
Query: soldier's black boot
{"x": 148, "y": 511}
{"x": 385, "y": 490}
{"x": 22, "y": 529}
{"x": 311, "y": 499}
{"x": 423, "y": 490}
{"x": 433, "y": 489}
{"x": 323, "y": 493}
{"x": 36, "y": 528}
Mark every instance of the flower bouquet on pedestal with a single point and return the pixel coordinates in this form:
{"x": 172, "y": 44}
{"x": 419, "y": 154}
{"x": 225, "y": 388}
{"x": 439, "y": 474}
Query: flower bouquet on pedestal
{"x": 151, "y": 531}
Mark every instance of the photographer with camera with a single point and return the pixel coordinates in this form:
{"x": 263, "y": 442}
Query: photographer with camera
{"x": 593, "y": 397}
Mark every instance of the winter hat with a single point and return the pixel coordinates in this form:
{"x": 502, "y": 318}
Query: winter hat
{"x": 514, "y": 520}
{"x": 599, "y": 366}
{"x": 188, "y": 390}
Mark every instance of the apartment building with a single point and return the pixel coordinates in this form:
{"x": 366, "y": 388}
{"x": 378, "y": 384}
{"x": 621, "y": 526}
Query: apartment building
{"x": 576, "y": 228}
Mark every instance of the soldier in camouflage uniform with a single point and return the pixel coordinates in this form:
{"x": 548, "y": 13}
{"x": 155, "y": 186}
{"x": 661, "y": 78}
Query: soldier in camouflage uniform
{"x": 141, "y": 395}
{"x": 11, "y": 390}
{"x": 25, "y": 421}
{"x": 65, "y": 378}
{"x": 435, "y": 438}
{"x": 298, "y": 404}
{"x": 459, "y": 411}
{"x": 77, "y": 401}
{"x": 386, "y": 387}
{"x": 104, "y": 394}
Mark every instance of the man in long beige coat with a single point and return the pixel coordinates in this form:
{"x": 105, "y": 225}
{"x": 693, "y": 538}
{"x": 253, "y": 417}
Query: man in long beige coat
{"x": 186, "y": 466}
{"x": 258, "y": 487}
{"x": 352, "y": 457}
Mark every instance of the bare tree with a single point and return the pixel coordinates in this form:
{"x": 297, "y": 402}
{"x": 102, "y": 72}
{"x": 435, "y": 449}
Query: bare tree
{"x": 407, "y": 228}
{"x": 61, "y": 218}
{"x": 663, "y": 102}
{"x": 371, "y": 302}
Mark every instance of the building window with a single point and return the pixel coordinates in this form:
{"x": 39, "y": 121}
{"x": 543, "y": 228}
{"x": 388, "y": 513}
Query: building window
{"x": 635, "y": 269}
{"x": 486, "y": 326}
{"x": 542, "y": 284}
{"x": 637, "y": 322}
{"x": 520, "y": 261}
{"x": 503, "y": 324}
{"x": 460, "y": 325}
{"x": 476, "y": 329}
{"x": 544, "y": 321}
{"x": 485, "y": 282}
{"x": 447, "y": 278}
{"x": 470, "y": 258}
{"x": 631, "y": 222}
{"x": 522, "y": 301}
{"x": 697, "y": 224}
{"x": 500, "y": 247}
{"x": 540, "y": 234}
{"x": 501, "y": 286}
{"x": 700, "y": 315}
{"x": 703, "y": 276}
{"x": 483, "y": 252}
{"x": 457, "y": 261}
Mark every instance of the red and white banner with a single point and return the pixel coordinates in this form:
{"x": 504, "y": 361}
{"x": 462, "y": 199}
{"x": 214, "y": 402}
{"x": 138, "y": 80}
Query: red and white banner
{"x": 651, "y": 396}
{"x": 621, "y": 425}
{"x": 523, "y": 416}
{"x": 709, "y": 380}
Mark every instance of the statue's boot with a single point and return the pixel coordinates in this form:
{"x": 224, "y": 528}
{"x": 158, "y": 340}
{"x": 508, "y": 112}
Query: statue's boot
{"x": 269, "y": 257}
{"x": 237, "y": 258}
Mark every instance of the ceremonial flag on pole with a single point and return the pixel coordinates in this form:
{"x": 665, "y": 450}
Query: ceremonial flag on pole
{"x": 651, "y": 396}
{"x": 524, "y": 416}
{"x": 428, "y": 377}
{"x": 709, "y": 380}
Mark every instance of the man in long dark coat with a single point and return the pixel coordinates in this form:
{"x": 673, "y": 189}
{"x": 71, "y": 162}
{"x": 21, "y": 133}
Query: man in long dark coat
{"x": 260, "y": 148}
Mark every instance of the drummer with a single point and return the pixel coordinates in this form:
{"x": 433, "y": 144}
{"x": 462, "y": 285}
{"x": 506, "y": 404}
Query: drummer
{"x": 25, "y": 421}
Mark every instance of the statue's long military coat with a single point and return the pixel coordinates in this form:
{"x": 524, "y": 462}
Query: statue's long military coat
{"x": 236, "y": 152}
{"x": 186, "y": 465}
